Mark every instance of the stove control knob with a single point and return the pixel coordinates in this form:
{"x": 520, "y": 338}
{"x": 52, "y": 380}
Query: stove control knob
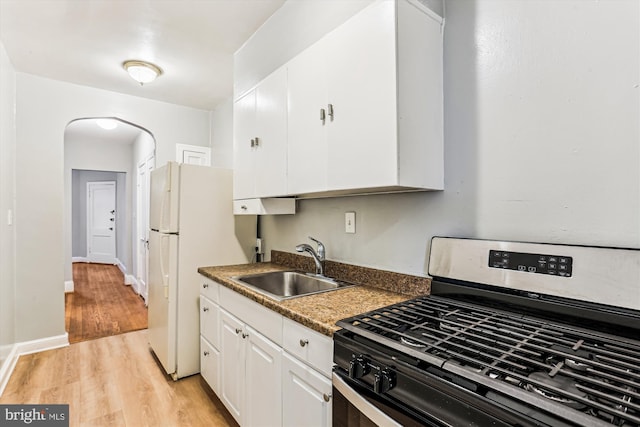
{"x": 358, "y": 367}
{"x": 384, "y": 381}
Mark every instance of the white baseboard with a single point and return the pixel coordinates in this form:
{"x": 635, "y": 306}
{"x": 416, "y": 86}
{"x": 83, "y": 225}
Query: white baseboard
{"x": 79, "y": 259}
{"x": 28, "y": 347}
{"x": 68, "y": 286}
{"x": 42, "y": 344}
{"x": 121, "y": 266}
{"x": 7, "y": 367}
{"x": 131, "y": 280}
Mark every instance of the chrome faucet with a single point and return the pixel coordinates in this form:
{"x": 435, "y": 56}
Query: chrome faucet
{"x": 318, "y": 256}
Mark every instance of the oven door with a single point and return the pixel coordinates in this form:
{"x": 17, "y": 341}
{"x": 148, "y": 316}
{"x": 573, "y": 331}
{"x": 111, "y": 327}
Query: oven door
{"x": 356, "y": 406}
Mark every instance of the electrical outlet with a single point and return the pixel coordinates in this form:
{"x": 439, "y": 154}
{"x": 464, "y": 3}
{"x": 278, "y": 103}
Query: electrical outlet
{"x": 350, "y": 222}
{"x": 259, "y": 246}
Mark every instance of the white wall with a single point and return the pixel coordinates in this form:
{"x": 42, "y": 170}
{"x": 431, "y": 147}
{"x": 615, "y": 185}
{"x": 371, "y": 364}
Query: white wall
{"x": 542, "y": 131}
{"x": 222, "y": 135}
{"x": 7, "y": 195}
{"x": 44, "y": 108}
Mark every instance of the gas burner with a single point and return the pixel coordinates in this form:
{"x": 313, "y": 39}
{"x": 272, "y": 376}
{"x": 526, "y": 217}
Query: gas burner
{"x": 560, "y": 382}
{"x": 411, "y": 343}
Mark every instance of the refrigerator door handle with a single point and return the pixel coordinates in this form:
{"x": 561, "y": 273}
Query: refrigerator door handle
{"x": 164, "y": 257}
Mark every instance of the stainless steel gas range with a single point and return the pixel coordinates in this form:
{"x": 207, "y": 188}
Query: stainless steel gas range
{"x": 517, "y": 334}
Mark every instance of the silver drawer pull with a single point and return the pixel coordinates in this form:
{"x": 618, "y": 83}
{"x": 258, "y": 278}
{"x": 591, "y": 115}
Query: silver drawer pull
{"x": 243, "y": 207}
{"x": 205, "y": 285}
{"x": 238, "y": 330}
{"x": 326, "y": 397}
{"x": 244, "y": 335}
{"x": 303, "y": 343}
{"x": 206, "y": 353}
{"x": 322, "y": 115}
{"x": 205, "y": 308}
{"x": 330, "y": 111}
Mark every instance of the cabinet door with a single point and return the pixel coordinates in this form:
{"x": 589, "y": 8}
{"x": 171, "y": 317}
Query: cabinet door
{"x": 361, "y": 81}
{"x": 307, "y": 144}
{"x": 270, "y": 163}
{"x": 244, "y": 114}
{"x": 210, "y": 365}
{"x": 263, "y": 381}
{"x": 210, "y": 321}
{"x": 232, "y": 355}
{"x": 306, "y": 397}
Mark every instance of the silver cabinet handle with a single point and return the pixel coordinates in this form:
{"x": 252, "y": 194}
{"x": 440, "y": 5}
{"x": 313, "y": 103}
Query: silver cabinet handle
{"x": 330, "y": 110}
{"x": 238, "y": 330}
{"x": 257, "y": 141}
{"x": 206, "y": 353}
{"x": 243, "y": 207}
{"x": 303, "y": 343}
{"x": 322, "y": 115}
{"x": 205, "y": 309}
{"x": 253, "y": 142}
{"x": 244, "y": 335}
{"x": 205, "y": 285}
{"x": 326, "y": 397}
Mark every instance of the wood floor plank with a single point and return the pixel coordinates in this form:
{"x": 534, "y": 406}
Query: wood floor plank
{"x": 101, "y": 304}
{"x": 114, "y": 381}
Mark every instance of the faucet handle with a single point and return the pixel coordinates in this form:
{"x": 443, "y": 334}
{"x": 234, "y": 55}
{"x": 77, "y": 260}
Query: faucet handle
{"x": 321, "y": 249}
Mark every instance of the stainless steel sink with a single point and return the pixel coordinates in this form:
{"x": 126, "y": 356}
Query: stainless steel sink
{"x": 281, "y": 285}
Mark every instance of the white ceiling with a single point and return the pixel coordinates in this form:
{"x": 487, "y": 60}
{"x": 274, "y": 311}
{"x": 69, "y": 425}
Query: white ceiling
{"x": 86, "y": 41}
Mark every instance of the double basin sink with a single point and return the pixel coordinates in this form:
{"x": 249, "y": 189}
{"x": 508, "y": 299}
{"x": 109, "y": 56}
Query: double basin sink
{"x": 282, "y": 285}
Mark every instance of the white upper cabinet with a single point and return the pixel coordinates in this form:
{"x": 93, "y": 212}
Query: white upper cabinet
{"x": 365, "y": 105}
{"x": 260, "y": 139}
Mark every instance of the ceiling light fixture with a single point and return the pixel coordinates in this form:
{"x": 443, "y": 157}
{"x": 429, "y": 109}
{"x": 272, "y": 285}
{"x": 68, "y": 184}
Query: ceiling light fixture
{"x": 107, "y": 124}
{"x": 141, "y": 71}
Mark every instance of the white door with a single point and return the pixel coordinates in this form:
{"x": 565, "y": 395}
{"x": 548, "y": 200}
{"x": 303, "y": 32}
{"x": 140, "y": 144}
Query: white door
{"x": 142, "y": 273}
{"x": 163, "y": 294}
{"x": 193, "y": 155}
{"x": 101, "y": 222}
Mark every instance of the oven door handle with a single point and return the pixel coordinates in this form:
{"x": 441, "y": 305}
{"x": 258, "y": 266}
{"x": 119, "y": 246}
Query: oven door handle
{"x": 366, "y": 408}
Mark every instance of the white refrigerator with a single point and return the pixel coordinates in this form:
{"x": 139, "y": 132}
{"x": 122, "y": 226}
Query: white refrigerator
{"x": 191, "y": 225}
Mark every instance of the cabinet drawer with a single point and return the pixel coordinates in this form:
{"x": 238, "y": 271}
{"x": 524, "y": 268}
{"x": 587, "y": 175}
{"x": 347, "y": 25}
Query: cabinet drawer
{"x": 210, "y": 365}
{"x": 265, "y": 206}
{"x": 210, "y": 321}
{"x": 210, "y": 289}
{"x": 308, "y": 345}
{"x": 267, "y": 322}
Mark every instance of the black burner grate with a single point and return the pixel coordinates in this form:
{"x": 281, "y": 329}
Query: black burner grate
{"x": 572, "y": 369}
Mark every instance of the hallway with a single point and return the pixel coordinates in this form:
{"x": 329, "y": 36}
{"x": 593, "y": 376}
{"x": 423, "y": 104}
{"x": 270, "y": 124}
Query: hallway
{"x": 101, "y": 304}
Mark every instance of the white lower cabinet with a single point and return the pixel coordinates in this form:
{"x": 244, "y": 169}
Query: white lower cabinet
{"x": 263, "y": 381}
{"x": 250, "y": 383}
{"x": 266, "y": 369}
{"x": 307, "y": 395}
{"x": 210, "y": 364}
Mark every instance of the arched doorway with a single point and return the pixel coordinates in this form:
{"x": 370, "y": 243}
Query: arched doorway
{"x": 99, "y": 151}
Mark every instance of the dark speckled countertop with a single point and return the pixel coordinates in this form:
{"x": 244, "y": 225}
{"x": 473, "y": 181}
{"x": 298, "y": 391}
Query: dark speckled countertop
{"x": 320, "y": 312}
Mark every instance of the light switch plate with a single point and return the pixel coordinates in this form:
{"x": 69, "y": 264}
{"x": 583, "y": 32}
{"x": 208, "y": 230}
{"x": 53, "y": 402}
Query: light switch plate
{"x": 350, "y": 222}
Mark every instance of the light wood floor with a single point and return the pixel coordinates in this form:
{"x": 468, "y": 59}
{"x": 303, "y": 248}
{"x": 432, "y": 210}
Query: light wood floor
{"x": 101, "y": 304}
{"x": 114, "y": 381}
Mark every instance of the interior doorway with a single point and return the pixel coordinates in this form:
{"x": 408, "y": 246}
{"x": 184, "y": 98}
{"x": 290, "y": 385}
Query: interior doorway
{"x": 106, "y": 269}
